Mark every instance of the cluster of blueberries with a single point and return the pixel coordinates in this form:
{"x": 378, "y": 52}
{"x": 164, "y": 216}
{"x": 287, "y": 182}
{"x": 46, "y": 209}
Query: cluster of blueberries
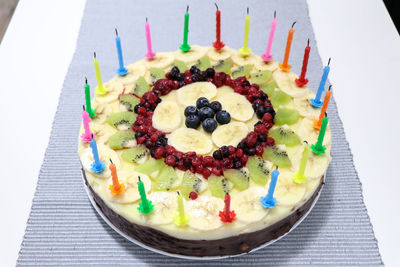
{"x": 204, "y": 111}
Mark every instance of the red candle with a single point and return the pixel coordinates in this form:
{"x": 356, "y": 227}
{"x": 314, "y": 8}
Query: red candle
{"x": 218, "y": 44}
{"x": 302, "y": 80}
{"x": 227, "y": 215}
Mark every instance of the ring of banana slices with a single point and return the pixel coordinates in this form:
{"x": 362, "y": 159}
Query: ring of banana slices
{"x": 140, "y": 125}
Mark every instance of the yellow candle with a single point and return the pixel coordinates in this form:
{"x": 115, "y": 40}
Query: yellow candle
{"x": 180, "y": 218}
{"x": 245, "y": 51}
{"x": 299, "y": 176}
{"x": 285, "y": 66}
{"x": 100, "y": 89}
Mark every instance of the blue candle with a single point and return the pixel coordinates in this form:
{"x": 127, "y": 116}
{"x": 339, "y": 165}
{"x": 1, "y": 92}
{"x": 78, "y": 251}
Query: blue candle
{"x": 317, "y": 103}
{"x": 97, "y": 165}
{"x": 122, "y": 70}
{"x": 269, "y": 201}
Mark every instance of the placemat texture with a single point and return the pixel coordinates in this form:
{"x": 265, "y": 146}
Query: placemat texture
{"x": 63, "y": 228}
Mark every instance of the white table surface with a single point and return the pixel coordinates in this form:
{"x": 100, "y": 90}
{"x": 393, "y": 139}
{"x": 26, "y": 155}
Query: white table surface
{"x": 358, "y": 35}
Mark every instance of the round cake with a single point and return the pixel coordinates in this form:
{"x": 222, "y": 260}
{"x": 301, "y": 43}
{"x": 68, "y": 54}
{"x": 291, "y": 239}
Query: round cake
{"x": 192, "y": 145}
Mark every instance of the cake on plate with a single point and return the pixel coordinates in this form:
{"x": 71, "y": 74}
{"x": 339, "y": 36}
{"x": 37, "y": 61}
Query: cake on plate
{"x": 191, "y": 145}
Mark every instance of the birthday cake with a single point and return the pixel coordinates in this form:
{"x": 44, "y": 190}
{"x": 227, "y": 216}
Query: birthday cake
{"x": 206, "y": 152}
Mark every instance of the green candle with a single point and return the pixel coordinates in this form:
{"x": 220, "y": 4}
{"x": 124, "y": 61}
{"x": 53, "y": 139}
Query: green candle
{"x": 318, "y": 147}
{"x": 145, "y": 205}
{"x": 299, "y": 176}
{"x": 185, "y": 46}
{"x": 88, "y": 103}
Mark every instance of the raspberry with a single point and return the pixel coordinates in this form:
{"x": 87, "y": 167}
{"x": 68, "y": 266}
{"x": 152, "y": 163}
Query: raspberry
{"x": 141, "y": 139}
{"x": 142, "y": 110}
{"x": 217, "y": 164}
{"x": 208, "y": 161}
{"x": 239, "y": 153}
{"x": 244, "y": 159}
{"x": 193, "y": 195}
{"x": 232, "y": 150}
{"x": 170, "y": 160}
{"x": 169, "y": 149}
{"x": 187, "y": 73}
{"x": 154, "y": 137}
{"x": 226, "y": 162}
{"x": 199, "y": 169}
{"x": 188, "y": 80}
{"x": 216, "y": 171}
{"x": 259, "y": 150}
{"x": 267, "y": 117}
{"x": 206, "y": 173}
{"x": 196, "y": 161}
{"x": 270, "y": 141}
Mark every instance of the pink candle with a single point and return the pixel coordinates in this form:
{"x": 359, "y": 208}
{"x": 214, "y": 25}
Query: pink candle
{"x": 150, "y": 54}
{"x": 267, "y": 55}
{"x": 87, "y": 135}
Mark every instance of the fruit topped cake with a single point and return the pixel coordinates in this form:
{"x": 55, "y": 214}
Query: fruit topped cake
{"x": 205, "y": 152}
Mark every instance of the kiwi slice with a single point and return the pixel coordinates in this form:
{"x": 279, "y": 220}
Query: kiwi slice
{"x": 269, "y": 87}
{"x": 140, "y": 87}
{"x": 279, "y": 98}
{"x": 286, "y": 116}
{"x": 180, "y": 65}
{"x": 122, "y": 139}
{"x": 223, "y": 65}
{"x": 166, "y": 180}
{"x": 261, "y": 76}
{"x": 190, "y": 183}
{"x": 278, "y": 156}
{"x": 219, "y": 186}
{"x": 150, "y": 166}
{"x": 156, "y": 74}
{"x": 239, "y": 178}
{"x": 134, "y": 154}
{"x": 203, "y": 63}
{"x": 284, "y": 135}
{"x": 241, "y": 71}
{"x": 128, "y": 102}
{"x": 257, "y": 170}
{"x": 122, "y": 120}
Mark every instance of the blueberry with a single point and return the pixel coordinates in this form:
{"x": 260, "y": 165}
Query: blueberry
{"x": 202, "y": 102}
{"x": 195, "y": 78}
{"x": 262, "y": 138}
{"x": 210, "y": 72}
{"x": 223, "y": 117}
{"x": 190, "y": 110}
{"x": 217, "y": 154}
{"x": 209, "y": 125}
{"x": 194, "y": 70}
{"x": 206, "y": 112}
{"x": 216, "y": 106}
{"x": 161, "y": 141}
{"x": 136, "y": 108}
{"x": 180, "y": 76}
{"x": 224, "y": 151}
{"x": 270, "y": 110}
{"x": 242, "y": 145}
{"x": 175, "y": 70}
{"x": 203, "y": 75}
{"x": 260, "y": 111}
{"x": 192, "y": 121}
{"x": 251, "y": 151}
{"x": 237, "y": 164}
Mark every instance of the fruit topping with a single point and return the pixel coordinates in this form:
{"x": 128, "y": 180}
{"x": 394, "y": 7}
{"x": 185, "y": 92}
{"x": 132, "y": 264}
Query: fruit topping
{"x": 122, "y": 139}
{"x": 259, "y": 170}
{"x": 284, "y": 135}
{"x": 128, "y": 102}
{"x": 134, "y": 154}
{"x": 278, "y": 155}
{"x": 122, "y": 120}
{"x": 192, "y": 121}
{"x": 219, "y": 186}
{"x": 223, "y": 117}
{"x": 140, "y": 87}
{"x": 286, "y": 116}
{"x": 209, "y": 125}
{"x": 190, "y": 110}
{"x": 239, "y": 178}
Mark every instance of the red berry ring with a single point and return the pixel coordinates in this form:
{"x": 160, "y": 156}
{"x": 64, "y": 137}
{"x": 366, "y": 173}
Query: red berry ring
{"x": 226, "y": 157}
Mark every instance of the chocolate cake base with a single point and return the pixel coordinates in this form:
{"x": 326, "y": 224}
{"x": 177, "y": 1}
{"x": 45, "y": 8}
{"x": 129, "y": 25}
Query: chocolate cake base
{"x": 229, "y": 246}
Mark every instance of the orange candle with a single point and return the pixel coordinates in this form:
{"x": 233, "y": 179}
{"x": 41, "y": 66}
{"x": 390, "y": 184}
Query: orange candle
{"x": 285, "y": 66}
{"x": 317, "y": 123}
{"x": 116, "y": 188}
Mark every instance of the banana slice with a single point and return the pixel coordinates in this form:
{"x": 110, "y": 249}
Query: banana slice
{"x": 307, "y": 132}
{"x": 165, "y": 206}
{"x": 102, "y": 111}
{"x": 238, "y": 107}
{"x": 105, "y": 154}
{"x": 204, "y": 212}
{"x": 188, "y": 95}
{"x": 286, "y": 83}
{"x": 261, "y": 65}
{"x": 316, "y": 164}
{"x": 162, "y": 60}
{"x": 134, "y": 72}
{"x": 186, "y": 140}
{"x": 195, "y": 53}
{"x": 230, "y": 134}
{"x": 131, "y": 193}
{"x": 222, "y": 91}
{"x": 114, "y": 90}
{"x": 287, "y": 192}
{"x": 221, "y": 54}
{"x": 304, "y": 107}
{"x": 167, "y": 116}
{"x": 102, "y": 132}
{"x": 240, "y": 60}
{"x": 246, "y": 205}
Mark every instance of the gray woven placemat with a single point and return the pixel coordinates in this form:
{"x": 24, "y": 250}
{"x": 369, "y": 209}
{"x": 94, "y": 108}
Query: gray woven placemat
{"x": 64, "y": 229}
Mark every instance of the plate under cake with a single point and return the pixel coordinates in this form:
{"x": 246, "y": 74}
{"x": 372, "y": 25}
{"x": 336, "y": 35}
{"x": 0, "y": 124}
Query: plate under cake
{"x": 141, "y": 125}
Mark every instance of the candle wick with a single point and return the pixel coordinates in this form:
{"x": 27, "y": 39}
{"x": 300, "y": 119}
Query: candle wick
{"x": 308, "y": 42}
{"x": 178, "y": 193}
{"x": 216, "y": 5}
{"x": 111, "y": 161}
{"x": 247, "y": 10}
{"x": 275, "y": 14}
{"x": 277, "y": 167}
{"x": 329, "y": 61}
{"x": 293, "y": 23}
{"x": 85, "y": 80}
{"x": 187, "y": 9}
{"x": 92, "y": 136}
{"x": 330, "y": 86}
{"x": 139, "y": 178}
{"x": 146, "y": 19}
{"x": 83, "y": 107}
{"x": 305, "y": 141}
{"x": 326, "y": 114}
{"x": 116, "y": 32}
{"x": 94, "y": 53}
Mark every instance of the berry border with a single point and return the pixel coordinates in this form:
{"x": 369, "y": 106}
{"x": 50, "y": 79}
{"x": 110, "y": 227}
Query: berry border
{"x": 226, "y": 157}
